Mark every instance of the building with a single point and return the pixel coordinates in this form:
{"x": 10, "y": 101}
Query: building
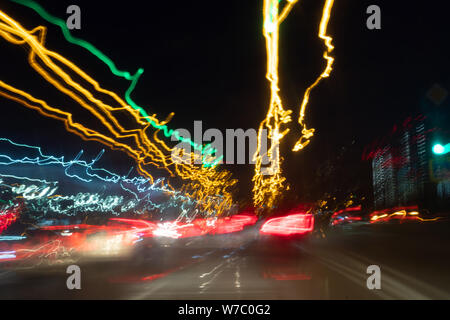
{"x": 406, "y": 172}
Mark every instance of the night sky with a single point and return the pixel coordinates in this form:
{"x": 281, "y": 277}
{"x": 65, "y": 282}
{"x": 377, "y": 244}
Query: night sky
{"x": 206, "y": 60}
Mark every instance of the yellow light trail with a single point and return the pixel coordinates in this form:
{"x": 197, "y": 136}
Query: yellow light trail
{"x": 308, "y": 133}
{"x": 403, "y": 215}
{"x": 268, "y": 181}
{"x": 203, "y": 183}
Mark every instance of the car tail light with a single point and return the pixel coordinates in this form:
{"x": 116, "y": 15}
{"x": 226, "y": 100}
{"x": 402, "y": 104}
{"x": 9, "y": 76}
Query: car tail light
{"x": 294, "y": 224}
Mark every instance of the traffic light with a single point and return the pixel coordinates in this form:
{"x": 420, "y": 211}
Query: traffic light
{"x": 439, "y": 149}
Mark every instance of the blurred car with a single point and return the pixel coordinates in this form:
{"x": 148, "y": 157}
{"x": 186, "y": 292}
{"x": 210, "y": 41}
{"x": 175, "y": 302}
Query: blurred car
{"x": 115, "y": 239}
{"x": 156, "y": 238}
{"x": 346, "y": 216}
{"x": 64, "y": 244}
{"x": 291, "y": 225}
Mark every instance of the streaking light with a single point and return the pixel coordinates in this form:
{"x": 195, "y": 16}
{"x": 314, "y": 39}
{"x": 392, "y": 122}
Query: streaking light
{"x": 11, "y": 238}
{"x": 268, "y": 181}
{"x": 295, "y": 224}
{"x": 308, "y": 133}
{"x": 203, "y": 183}
{"x": 7, "y": 217}
{"x": 7, "y": 255}
{"x": 123, "y": 74}
{"x": 402, "y": 214}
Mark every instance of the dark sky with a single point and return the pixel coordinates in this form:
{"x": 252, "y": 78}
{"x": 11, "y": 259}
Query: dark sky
{"x": 206, "y": 60}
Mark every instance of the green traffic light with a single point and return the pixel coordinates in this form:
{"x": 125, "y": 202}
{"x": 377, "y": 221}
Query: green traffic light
{"x": 439, "y": 149}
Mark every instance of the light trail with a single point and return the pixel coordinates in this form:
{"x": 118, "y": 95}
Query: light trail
{"x": 89, "y": 169}
{"x": 122, "y": 74}
{"x": 43, "y": 198}
{"x": 205, "y": 182}
{"x": 308, "y": 133}
{"x": 7, "y": 217}
{"x": 269, "y": 182}
{"x": 402, "y": 215}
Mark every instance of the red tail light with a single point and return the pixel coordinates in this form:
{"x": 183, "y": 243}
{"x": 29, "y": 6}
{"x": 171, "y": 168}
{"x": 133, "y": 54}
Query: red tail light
{"x": 232, "y": 224}
{"x": 294, "y": 224}
{"x": 7, "y": 218}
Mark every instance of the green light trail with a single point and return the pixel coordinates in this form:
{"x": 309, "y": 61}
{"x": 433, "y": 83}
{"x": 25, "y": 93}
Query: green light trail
{"x": 122, "y": 74}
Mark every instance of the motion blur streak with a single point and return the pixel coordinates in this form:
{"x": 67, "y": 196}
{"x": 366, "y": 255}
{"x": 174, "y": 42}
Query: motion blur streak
{"x": 199, "y": 227}
{"x": 7, "y": 217}
{"x": 267, "y": 185}
{"x": 344, "y": 216}
{"x": 233, "y": 224}
{"x": 116, "y": 239}
{"x": 142, "y": 227}
{"x": 205, "y": 182}
{"x": 123, "y": 74}
{"x": 294, "y": 224}
{"x": 268, "y": 181}
{"x": 308, "y": 133}
{"x": 45, "y": 199}
{"x": 401, "y": 214}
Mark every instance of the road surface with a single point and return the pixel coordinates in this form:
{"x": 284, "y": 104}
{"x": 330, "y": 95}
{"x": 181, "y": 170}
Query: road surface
{"x": 413, "y": 258}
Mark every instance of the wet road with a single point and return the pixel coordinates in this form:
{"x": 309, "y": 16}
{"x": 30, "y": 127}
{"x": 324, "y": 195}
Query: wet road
{"x": 414, "y": 260}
